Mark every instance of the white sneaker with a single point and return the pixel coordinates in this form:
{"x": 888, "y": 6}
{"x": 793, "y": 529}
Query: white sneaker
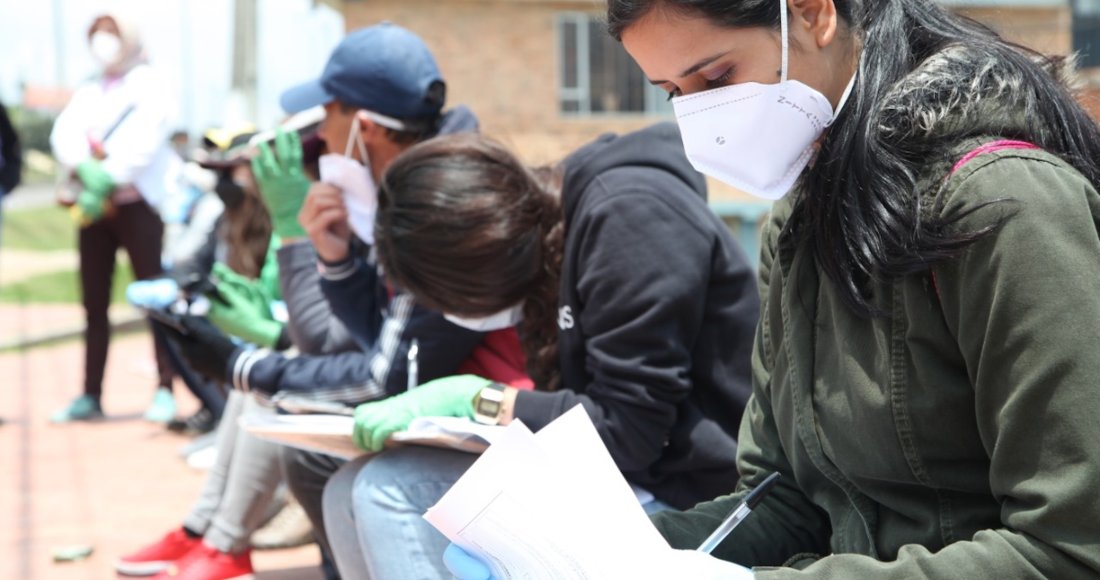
{"x": 204, "y": 458}
{"x": 289, "y": 528}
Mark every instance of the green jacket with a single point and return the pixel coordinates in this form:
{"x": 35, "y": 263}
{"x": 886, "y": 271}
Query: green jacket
{"x": 958, "y": 437}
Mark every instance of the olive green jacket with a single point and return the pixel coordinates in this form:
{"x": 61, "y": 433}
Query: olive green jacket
{"x": 958, "y": 437}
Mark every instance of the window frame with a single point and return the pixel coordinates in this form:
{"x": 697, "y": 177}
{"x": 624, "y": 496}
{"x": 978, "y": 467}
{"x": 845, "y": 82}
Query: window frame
{"x": 580, "y": 95}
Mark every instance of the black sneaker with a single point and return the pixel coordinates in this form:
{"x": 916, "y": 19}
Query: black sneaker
{"x": 202, "y": 421}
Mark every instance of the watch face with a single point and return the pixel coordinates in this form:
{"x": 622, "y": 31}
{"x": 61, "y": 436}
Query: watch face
{"x": 488, "y": 407}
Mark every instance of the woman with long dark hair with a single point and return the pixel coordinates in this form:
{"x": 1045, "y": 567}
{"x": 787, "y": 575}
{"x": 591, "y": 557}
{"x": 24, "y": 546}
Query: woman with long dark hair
{"x": 925, "y": 370}
{"x": 630, "y": 297}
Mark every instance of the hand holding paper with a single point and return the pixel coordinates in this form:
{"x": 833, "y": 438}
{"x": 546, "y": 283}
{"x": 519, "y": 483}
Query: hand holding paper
{"x": 445, "y": 397}
{"x": 331, "y": 434}
{"x": 550, "y": 506}
{"x": 465, "y": 566}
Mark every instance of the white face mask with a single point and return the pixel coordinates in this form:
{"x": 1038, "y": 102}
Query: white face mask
{"x": 105, "y": 47}
{"x": 355, "y": 181}
{"x": 499, "y": 321}
{"x": 756, "y": 137}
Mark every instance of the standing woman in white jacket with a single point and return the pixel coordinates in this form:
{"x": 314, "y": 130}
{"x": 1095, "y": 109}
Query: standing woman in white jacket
{"x": 112, "y": 139}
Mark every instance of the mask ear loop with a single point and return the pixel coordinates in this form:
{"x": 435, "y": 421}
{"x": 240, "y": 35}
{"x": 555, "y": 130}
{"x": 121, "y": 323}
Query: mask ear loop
{"x": 355, "y": 138}
{"x": 784, "y": 31}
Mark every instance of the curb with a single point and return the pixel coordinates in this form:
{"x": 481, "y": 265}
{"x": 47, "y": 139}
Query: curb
{"x": 120, "y": 324}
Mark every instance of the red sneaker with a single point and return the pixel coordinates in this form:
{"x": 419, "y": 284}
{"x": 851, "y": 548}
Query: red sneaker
{"x": 207, "y": 563}
{"x": 158, "y": 555}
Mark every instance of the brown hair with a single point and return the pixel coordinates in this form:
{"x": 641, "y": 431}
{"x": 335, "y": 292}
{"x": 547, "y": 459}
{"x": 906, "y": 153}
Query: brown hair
{"x": 469, "y": 230}
{"x": 247, "y": 231}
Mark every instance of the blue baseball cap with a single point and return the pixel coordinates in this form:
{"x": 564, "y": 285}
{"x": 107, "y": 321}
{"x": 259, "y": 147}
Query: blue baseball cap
{"x": 382, "y": 68}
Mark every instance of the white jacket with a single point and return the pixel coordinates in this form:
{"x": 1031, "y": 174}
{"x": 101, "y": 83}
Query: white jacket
{"x": 138, "y": 151}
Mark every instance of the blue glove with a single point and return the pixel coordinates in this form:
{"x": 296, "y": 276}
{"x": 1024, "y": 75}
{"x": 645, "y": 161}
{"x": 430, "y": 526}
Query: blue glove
{"x": 465, "y": 566}
{"x": 177, "y": 207}
{"x": 158, "y": 293}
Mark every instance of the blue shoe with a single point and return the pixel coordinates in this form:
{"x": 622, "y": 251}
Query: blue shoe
{"x": 84, "y": 408}
{"x": 163, "y": 407}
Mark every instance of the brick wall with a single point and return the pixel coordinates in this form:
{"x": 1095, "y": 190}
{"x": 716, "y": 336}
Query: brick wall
{"x": 1047, "y": 30}
{"x": 500, "y": 58}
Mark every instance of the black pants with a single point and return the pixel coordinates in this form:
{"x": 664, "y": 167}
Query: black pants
{"x": 136, "y": 227}
{"x": 306, "y": 474}
{"x": 206, "y": 391}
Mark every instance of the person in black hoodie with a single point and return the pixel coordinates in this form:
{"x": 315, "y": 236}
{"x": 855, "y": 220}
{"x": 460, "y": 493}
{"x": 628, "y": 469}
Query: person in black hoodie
{"x": 631, "y": 298}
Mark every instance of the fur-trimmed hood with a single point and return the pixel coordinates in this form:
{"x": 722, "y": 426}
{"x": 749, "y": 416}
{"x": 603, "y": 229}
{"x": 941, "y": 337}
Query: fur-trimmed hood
{"x": 963, "y": 92}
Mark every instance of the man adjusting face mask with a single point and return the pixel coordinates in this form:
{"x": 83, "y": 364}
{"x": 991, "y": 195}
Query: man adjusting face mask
{"x": 756, "y": 137}
{"x": 355, "y": 181}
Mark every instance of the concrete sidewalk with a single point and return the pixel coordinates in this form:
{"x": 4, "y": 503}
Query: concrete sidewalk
{"x": 115, "y": 484}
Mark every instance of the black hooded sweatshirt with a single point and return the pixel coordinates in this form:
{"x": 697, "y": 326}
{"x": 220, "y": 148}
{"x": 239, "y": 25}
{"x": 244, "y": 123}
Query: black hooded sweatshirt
{"x": 656, "y": 316}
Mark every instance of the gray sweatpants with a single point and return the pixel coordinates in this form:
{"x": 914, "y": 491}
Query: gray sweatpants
{"x": 237, "y": 496}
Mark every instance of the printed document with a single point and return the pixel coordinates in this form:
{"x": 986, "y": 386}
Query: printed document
{"x": 550, "y": 506}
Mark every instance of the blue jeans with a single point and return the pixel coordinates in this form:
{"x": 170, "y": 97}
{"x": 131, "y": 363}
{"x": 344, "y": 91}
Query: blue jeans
{"x": 373, "y": 509}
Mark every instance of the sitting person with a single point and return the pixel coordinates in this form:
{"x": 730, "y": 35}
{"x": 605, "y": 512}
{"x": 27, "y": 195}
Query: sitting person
{"x": 631, "y": 298}
{"x": 346, "y": 299}
{"x": 213, "y": 541}
{"x": 917, "y": 381}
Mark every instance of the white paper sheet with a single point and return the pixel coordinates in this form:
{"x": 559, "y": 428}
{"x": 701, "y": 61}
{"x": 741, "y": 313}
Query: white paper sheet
{"x": 550, "y": 506}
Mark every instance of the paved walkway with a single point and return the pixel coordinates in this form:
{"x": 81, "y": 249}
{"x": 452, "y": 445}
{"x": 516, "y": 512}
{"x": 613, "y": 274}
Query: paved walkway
{"x": 115, "y": 484}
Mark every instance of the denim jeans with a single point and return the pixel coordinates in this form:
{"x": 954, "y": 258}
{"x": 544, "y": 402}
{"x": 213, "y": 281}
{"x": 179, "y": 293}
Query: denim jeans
{"x": 373, "y": 508}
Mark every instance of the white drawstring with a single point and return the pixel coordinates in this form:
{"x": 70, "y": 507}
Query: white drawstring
{"x": 783, "y": 29}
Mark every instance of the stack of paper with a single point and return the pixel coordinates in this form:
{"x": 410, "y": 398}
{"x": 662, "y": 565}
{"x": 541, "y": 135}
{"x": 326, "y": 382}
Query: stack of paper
{"x": 331, "y": 434}
{"x": 550, "y": 506}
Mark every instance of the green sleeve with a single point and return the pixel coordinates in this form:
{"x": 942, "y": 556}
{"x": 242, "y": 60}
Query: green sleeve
{"x": 1023, "y": 306}
{"x": 787, "y": 522}
{"x": 269, "y": 273}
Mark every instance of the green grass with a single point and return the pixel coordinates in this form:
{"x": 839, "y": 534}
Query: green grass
{"x": 62, "y": 287}
{"x": 40, "y": 229}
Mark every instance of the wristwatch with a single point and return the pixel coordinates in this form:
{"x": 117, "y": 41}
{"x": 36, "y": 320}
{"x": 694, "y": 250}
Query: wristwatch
{"x": 489, "y": 404}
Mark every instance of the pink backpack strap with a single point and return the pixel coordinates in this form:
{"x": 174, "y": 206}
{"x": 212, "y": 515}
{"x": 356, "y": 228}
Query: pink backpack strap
{"x": 991, "y": 147}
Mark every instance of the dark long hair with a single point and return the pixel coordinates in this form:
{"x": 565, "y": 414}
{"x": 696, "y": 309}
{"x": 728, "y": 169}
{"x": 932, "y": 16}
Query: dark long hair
{"x": 468, "y": 230}
{"x": 859, "y": 204}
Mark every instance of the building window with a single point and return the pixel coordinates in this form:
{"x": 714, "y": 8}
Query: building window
{"x": 597, "y": 75}
{"x": 1086, "y": 32}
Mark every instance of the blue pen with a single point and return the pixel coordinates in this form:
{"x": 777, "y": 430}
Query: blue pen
{"x": 738, "y": 514}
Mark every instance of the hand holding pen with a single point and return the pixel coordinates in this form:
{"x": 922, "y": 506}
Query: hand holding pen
{"x": 738, "y": 514}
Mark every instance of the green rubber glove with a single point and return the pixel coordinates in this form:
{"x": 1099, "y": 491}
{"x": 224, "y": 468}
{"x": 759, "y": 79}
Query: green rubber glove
{"x": 282, "y": 181}
{"x": 242, "y": 307}
{"x": 445, "y": 397}
{"x": 92, "y": 200}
